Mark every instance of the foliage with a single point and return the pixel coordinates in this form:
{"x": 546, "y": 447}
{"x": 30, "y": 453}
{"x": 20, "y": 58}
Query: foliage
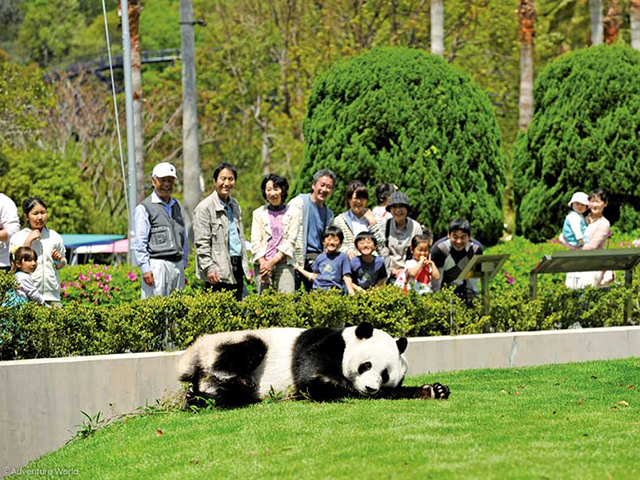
{"x": 23, "y": 98}
{"x": 100, "y": 284}
{"x": 47, "y": 32}
{"x": 163, "y": 323}
{"x": 407, "y": 117}
{"x": 44, "y": 174}
{"x": 584, "y": 135}
{"x": 525, "y": 422}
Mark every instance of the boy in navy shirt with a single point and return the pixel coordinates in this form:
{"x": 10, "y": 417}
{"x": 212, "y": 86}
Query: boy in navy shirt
{"x": 331, "y": 269}
{"x": 367, "y": 270}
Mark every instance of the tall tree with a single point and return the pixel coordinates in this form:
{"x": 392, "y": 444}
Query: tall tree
{"x": 527, "y": 18}
{"x": 437, "y": 28}
{"x": 612, "y": 22}
{"x": 47, "y": 34}
{"x": 634, "y": 16}
{"x": 595, "y": 9}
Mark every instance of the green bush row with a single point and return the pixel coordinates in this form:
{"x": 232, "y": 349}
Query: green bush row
{"x": 173, "y": 322}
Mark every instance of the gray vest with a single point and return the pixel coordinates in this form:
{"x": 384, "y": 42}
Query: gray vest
{"x": 166, "y": 238}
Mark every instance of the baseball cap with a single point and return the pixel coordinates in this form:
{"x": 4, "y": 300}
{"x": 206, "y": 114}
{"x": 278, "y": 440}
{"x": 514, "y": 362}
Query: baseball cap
{"x": 164, "y": 169}
{"x": 580, "y": 197}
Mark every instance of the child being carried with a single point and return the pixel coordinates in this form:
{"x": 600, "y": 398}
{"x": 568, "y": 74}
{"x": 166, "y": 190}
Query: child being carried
{"x": 575, "y": 223}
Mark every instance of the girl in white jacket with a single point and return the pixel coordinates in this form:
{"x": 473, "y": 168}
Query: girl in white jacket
{"x": 25, "y": 261}
{"x": 48, "y": 246}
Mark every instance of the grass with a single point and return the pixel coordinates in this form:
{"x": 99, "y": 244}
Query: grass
{"x": 560, "y": 421}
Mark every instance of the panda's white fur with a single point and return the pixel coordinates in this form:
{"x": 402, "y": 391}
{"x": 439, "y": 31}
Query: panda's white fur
{"x": 274, "y": 372}
{"x": 237, "y": 368}
{"x": 381, "y": 351}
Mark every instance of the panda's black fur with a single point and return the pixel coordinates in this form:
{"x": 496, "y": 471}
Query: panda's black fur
{"x": 239, "y": 368}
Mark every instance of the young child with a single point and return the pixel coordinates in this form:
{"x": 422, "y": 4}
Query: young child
{"x": 331, "y": 269}
{"x": 24, "y": 262}
{"x": 383, "y": 191}
{"x": 420, "y": 269}
{"x": 366, "y": 269}
{"x": 574, "y": 223}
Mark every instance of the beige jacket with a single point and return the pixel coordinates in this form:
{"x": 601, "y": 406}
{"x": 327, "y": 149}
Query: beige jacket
{"x": 261, "y": 232}
{"x": 211, "y": 235}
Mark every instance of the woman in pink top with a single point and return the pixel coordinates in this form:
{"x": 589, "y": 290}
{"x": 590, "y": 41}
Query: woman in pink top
{"x": 273, "y": 234}
{"x": 598, "y": 232}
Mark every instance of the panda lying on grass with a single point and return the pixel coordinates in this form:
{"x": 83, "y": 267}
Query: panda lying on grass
{"x": 323, "y": 364}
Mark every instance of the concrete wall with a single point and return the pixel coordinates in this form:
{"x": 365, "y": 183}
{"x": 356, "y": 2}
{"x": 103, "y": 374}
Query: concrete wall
{"x": 41, "y": 400}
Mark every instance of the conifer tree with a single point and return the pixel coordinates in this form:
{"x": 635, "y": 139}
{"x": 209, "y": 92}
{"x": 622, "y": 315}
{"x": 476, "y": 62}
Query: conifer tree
{"x": 585, "y": 134}
{"x": 407, "y": 117}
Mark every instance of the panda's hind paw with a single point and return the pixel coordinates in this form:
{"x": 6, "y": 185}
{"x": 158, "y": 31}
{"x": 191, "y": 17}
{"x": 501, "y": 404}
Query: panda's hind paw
{"x": 437, "y": 391}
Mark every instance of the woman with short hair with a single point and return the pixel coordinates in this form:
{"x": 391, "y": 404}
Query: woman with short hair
{"x": 358, "y": 218}
{"x": 273, "y": 235}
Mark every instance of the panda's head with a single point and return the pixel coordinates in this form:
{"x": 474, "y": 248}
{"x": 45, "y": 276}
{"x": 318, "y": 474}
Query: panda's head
{"x": 373, "y": 359}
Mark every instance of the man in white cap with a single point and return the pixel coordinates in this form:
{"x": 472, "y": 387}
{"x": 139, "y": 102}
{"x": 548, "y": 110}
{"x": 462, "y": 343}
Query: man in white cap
{"x": 160, "y": 243}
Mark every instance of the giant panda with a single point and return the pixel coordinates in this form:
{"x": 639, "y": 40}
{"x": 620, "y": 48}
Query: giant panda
{"x": 323, "y": 364}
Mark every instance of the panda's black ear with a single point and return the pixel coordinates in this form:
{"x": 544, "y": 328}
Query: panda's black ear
{"x": 402, "y": 344}
{"x": 364, "y": 330}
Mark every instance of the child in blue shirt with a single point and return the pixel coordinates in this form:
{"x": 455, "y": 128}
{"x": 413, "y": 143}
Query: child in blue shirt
{"x": 367, "y": 270}
{"x": 574, "y": 223}
{"x": 331, "y": 269}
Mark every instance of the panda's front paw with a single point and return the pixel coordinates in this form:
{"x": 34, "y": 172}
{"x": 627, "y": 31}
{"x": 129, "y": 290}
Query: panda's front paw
{"x": 437, "y": 391}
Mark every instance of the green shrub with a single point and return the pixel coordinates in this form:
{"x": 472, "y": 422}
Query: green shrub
{"x": 163, "y": 323}
{"x": 404, "y": 116}
{"x": 584, "y": 135}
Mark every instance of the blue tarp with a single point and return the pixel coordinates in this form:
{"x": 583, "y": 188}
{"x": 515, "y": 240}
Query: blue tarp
{"x": 73, "y": 240}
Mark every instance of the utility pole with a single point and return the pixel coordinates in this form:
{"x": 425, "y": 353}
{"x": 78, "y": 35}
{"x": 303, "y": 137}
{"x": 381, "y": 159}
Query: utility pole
{"x": 190, "y": 153}
{"x": 128, "y": 95}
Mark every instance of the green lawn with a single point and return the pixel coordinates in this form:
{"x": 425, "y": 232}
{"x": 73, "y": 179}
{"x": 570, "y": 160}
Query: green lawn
{"x": 564, "y": 421}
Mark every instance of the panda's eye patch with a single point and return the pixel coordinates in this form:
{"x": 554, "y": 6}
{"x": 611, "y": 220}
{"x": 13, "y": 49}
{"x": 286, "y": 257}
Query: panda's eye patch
{"x": 364, "y": 367}
{"x": 385, "y": 376}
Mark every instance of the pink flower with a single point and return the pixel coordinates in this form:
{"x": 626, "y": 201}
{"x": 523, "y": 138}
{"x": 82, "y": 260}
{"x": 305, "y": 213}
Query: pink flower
{"x": 132, "y": 276}
{"x": 82, "y": 277}
{"x": 107, "y": 278}
{"x": 510, "y": 280}
{"x": 636, "y": 243}
{"x": 105, "y": 289}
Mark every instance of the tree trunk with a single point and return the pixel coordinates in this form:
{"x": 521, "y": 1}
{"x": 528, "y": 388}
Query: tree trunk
{"x": 190, "y": 153}
{"x": 437, "y": 28}
{"x": 527, "y": 18}
{"x": 595, "y": 8}
{"x": 612, "y": 22}
{"x": 135, "y": 6}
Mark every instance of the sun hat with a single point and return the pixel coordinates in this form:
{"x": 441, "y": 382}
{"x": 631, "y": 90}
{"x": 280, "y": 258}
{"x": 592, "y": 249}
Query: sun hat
{"x": 398, "y": 198}
{"x": 164, "y": 169}
{"x": 580, "y": 197}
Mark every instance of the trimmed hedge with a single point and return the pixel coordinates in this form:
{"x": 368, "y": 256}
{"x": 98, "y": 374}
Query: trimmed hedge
{"x": 404, "y": 116}
{"x": 174, "y": 322}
